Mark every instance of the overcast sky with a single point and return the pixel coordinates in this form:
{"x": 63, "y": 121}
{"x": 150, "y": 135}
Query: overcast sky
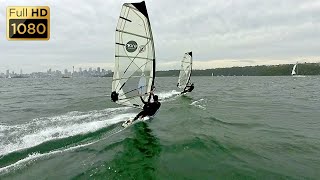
{"x": 220, "y": 33}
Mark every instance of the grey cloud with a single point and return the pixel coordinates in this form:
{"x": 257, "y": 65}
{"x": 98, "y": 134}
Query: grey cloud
{"x": 232, "y": 28}
{"x": 82, "y": 32}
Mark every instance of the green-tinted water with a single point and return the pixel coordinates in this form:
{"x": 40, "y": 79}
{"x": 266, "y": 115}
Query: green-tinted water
{"x": 228, "y": 128}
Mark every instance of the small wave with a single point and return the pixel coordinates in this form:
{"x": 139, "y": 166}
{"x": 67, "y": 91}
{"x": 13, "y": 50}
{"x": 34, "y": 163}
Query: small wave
{"x": 167, "y": 94}
{"x": 197, "y": 104}
{"x": 207, "y": 145}
{"x": 34, "y": 156}
{"x": 240, "y": 125}
{"x": 21, "y": 162}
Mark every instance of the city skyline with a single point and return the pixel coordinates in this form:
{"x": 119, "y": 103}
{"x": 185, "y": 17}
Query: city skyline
{"x": 82, "y": 72}
{"x": 62, "y": 69}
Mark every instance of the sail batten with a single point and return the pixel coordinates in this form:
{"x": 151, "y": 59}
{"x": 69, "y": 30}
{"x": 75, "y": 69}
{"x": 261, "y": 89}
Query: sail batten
{"x": 135, "y": 57}
{"x": 132, "y": 34}
{"x": 134, "y": 70}
{"x": 185, "y": 70}
{"x": 125, "y": 19}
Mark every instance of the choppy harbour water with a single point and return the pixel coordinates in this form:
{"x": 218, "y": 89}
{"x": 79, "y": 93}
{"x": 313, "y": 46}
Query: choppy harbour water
{"x": 228, "y": 128}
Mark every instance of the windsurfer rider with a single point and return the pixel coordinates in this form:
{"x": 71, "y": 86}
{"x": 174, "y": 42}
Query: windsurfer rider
{"x": 149, "y": 108}
{"x": 188, "y": 88}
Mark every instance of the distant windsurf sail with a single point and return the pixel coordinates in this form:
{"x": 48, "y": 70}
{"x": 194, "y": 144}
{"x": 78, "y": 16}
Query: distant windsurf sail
{"x": 134, "y": 70}
{"x": 185, "y": 71}
{"x": 293, "y": 72}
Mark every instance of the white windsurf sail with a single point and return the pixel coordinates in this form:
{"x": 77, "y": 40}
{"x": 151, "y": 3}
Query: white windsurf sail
{"x": 185, "y": 71}
{"x": 293, "y": 72}
{"x": 134, "y": 70}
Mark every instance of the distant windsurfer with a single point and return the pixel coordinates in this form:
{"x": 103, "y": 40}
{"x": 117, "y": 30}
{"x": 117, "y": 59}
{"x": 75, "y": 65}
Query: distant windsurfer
{"x": 149, "y": 108}
{"x": 114, "y": 96}
{"x": 188, "y": 88}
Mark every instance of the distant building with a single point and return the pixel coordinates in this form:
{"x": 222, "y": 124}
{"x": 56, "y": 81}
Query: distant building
{"x": 58, "y": 73}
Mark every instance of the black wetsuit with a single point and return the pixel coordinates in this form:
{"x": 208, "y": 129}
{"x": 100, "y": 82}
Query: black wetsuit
{"x": 188, "y": 89}
{"x": 149, "y": 109}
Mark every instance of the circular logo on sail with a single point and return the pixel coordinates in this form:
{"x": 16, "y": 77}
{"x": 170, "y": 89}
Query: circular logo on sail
{"x": 131, "y": 46}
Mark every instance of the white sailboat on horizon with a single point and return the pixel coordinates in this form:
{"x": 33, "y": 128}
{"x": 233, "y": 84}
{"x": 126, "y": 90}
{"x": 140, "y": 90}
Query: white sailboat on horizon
{"x": 294, "y": 71}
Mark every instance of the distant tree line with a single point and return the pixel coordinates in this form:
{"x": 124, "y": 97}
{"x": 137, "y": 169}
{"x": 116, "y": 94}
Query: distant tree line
{"x": 272, "y": 70}
{"x": 264, "y": 70}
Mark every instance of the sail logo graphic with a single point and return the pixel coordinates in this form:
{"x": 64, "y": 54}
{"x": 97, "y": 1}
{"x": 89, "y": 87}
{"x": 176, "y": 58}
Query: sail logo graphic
{"x": 131, "y": 46}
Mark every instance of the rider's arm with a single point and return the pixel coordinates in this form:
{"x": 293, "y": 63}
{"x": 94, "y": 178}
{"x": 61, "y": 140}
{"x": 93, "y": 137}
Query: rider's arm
{"x": 142, "y": 100}
{"x": 151, "y": 94}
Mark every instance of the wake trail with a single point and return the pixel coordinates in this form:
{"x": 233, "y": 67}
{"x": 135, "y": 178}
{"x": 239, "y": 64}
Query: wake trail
{"x": 36, "y": 156}
{"x": 32, "y": 156}
{"x": 25, "y": 139}
{"x": 41, "y": 130}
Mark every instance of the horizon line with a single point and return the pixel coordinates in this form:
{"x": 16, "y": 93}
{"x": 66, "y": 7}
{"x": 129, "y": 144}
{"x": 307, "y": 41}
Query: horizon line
{"x": 318, "y": 62}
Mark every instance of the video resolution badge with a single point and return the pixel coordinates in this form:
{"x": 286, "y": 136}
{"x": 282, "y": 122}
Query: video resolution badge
{"x": 28, "y": 23}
